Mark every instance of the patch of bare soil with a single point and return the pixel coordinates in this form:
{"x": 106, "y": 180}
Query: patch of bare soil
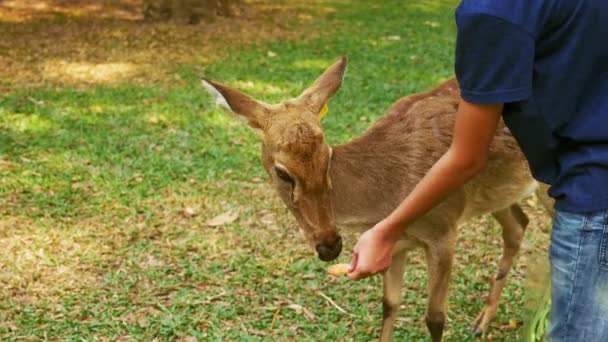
{"x": 83, "y": 42}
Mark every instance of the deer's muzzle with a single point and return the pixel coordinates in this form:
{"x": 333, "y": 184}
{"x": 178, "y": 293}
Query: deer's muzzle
{"x": 329, "y": 251}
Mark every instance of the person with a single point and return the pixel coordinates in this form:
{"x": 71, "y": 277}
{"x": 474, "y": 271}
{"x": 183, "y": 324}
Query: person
{"x": 543, "y": 67}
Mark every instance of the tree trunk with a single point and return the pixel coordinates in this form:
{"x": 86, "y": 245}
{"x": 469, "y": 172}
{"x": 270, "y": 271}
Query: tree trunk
{"x": 188, "y": 11}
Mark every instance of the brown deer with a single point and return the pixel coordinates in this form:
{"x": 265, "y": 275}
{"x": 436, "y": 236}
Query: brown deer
{"x": 359, "y": 183}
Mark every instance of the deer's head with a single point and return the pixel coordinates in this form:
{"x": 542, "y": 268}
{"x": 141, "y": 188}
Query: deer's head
{"x": 294, "y": 152}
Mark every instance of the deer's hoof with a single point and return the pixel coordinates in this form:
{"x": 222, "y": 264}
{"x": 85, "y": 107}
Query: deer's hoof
{"x": 476, "y": 331}
{"x": 481, "y": 323}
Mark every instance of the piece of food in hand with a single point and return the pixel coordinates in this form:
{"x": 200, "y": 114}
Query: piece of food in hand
{"x": 338, "y": 269}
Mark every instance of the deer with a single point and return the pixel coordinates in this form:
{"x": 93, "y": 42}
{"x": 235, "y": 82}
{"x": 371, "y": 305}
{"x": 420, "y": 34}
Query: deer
{"x": 357, "y": 184}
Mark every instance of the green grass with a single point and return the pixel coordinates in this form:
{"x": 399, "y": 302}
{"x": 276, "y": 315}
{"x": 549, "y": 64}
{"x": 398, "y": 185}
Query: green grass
{"x": 93, "y": 182}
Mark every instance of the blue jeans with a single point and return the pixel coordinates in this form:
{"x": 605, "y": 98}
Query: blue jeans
{"x": 579, "y": 278}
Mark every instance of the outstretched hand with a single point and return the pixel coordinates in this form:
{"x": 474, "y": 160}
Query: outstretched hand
{"x": 373, "y": 252}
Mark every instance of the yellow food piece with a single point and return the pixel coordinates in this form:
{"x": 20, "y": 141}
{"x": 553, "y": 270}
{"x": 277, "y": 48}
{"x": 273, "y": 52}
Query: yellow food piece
{"x": 338, "y": 269}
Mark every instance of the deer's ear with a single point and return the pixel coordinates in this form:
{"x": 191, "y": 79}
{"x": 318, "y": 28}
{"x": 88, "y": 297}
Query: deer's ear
{"x": 236, "y": 102}
{"x": 319, "y": 93}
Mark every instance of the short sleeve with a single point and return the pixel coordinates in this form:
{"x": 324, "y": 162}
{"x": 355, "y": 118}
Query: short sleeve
{"x": 494, "y": 59}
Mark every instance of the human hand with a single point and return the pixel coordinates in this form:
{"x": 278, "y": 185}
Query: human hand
{"x": 373, "y": 252}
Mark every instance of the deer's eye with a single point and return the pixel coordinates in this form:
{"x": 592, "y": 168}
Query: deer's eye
{"x": 284, "y": 176}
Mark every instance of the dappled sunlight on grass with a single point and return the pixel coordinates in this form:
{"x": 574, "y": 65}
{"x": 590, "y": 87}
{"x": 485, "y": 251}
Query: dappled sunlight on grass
{"x": 431, "y": 6}
{"x": 252, "y": 87}
{"x": 304, "y": 8}
{"x": 314, "y": 64}
{"x": 97, "y": 73}
{"x": 36, "y": 253}
{"x": 99, "y": 44}
{"x": 19, "y": 11}
{"x": 33, "y": 123}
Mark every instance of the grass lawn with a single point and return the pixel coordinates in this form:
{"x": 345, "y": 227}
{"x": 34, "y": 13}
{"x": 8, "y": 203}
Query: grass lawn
{"x": 113, "y": 159}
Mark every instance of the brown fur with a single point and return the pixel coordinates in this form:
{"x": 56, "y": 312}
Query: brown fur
{"x": 364, "y": 180}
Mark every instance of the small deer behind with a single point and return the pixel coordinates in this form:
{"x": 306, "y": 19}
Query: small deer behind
{"x": 359, "y": 183}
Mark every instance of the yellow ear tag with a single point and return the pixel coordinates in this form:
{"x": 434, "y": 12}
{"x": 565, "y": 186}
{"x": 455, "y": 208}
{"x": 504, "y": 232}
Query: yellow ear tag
{"x": 323, "y": 111}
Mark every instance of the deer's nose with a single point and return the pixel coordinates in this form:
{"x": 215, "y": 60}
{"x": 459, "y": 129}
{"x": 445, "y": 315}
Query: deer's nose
{"x": 329, "y": 251}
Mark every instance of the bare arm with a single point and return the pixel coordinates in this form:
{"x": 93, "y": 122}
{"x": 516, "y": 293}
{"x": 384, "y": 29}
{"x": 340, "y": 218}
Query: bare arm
{"x": 473, "y": 132}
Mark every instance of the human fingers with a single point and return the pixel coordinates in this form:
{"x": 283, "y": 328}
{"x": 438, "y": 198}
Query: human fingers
{"x": 353, "y": 262}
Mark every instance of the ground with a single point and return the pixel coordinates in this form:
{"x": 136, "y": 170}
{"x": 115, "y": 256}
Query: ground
{"x": 114, "y": 163}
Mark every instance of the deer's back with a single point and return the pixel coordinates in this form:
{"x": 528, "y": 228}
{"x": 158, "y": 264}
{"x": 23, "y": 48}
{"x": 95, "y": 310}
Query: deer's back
{"x": 418, "y": 130}
{"x": 375, "y": 172}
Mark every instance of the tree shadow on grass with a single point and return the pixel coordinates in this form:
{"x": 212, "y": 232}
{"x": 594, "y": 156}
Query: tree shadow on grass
{"x": 86, "y": 43}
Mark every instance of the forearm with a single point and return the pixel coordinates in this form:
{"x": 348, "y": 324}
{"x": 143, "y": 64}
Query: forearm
{"x": 448, "y": 174}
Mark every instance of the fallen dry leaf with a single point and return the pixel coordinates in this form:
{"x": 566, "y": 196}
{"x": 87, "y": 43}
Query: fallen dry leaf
{"x": 189, "y": 212}
{"x": 296, "y": 307}
{"x": 299, "y": 309}
{"x": 222, "y": 219}
{"x": 256, "y": 332}
{"x": 267, "y": 219}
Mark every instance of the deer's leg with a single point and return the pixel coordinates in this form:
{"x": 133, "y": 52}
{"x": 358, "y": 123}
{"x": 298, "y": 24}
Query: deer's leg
{"x": 513, "y": 221}
{"x": 439, "y": 257}
{"x": 393, "y": 281}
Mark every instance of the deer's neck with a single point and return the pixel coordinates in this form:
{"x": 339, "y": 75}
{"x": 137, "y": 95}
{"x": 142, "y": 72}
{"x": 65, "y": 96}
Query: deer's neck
{"x": 367, "y": 176}
{"x": 373, "y": 173}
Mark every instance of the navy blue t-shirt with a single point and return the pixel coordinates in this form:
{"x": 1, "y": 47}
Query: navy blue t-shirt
{"x": 547, "y": 61}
